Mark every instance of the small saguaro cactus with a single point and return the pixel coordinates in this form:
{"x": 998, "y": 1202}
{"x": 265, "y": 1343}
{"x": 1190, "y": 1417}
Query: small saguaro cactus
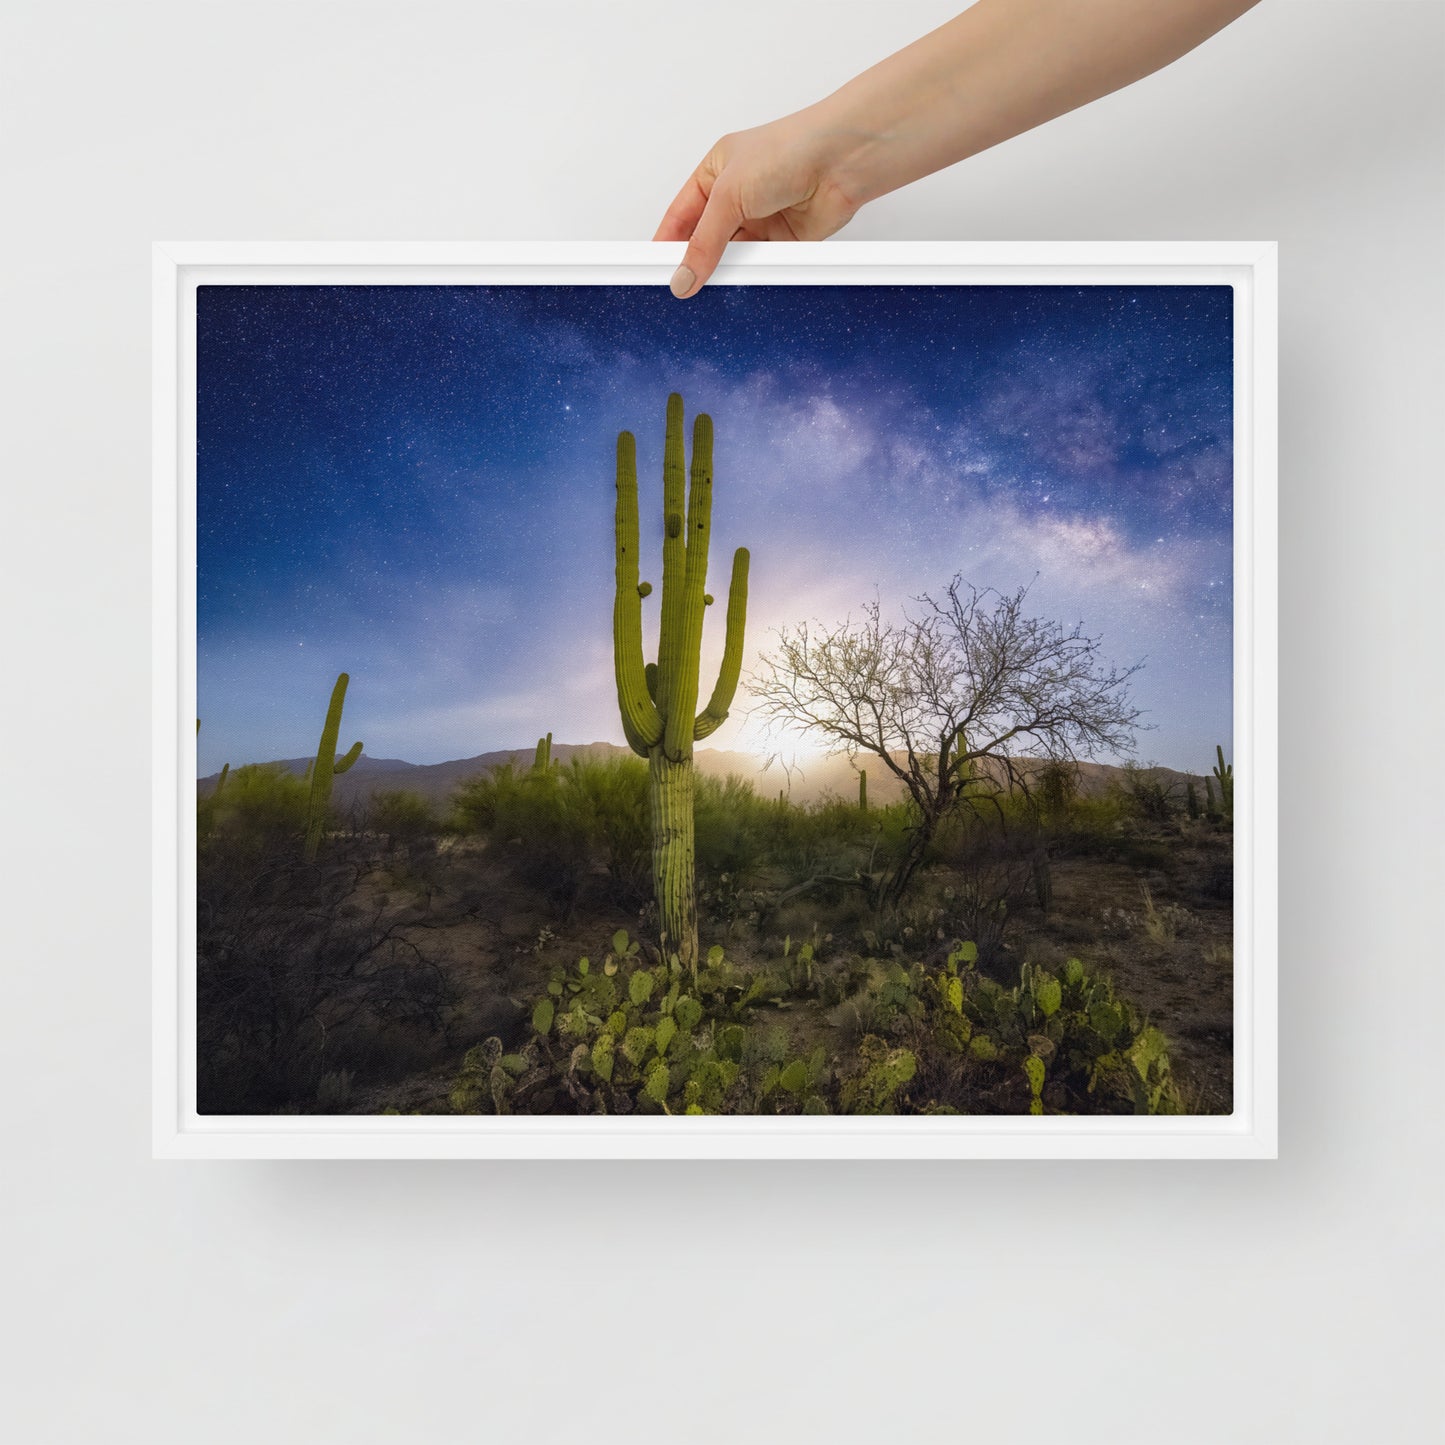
{"x": 863, "y": 789}
{"x": 543, "y": 759}
{"x": 327, "y": 764}
{"x": 658, "y": 701}
{"x": 1191, "y": 799}
{"x": 1224, "y": 776}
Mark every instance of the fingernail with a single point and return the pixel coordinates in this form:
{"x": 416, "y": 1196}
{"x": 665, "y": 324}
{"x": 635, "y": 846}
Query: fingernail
{"x": 683, "y": 280}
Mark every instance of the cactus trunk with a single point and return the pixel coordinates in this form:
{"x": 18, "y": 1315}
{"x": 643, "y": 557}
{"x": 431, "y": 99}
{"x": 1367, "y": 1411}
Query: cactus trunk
{"x": 670, "y": 808}
{"x": 863, "y": 789}
{"x": 658, "y": 701}
{"x": 326, "y": 766}
{"x": 1224, "y": 776}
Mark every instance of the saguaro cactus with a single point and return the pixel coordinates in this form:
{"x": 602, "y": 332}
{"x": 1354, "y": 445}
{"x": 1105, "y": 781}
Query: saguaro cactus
{"x": 543, "y": 759}
{"x": 863, "y": 789}
{"x": 326, "y": 766}
{"x": 1224, "y": 776}
{"x": 658, "y": 701}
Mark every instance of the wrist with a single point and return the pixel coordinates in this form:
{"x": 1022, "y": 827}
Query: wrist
{"x": 857, "y": 149}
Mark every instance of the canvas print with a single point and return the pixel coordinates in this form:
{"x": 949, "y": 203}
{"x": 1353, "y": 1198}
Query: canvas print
{"x": 798, "y": 700}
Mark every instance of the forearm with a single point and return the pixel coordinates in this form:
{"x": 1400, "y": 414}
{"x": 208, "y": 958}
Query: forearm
{"x": 997, "y": 70}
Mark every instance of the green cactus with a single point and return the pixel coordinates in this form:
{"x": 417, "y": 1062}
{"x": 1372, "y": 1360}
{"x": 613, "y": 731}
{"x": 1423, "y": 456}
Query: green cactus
{"x": 327, "y": 764}
{"x": 1034, "y": 1069}
{"x": 863, "y": 789}
{"x": 543, "y": 759}
{"x": 1191, "y": 799}
{"x": 221, "y": 781}
{"x": 658, "y": 702}
{"x": 1224, "y": 776}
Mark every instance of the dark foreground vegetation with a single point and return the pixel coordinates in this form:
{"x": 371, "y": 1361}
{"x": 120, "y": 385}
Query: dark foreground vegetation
{"x": 1055, "y": 951}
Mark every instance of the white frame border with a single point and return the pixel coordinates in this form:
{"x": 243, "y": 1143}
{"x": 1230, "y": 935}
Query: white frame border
{"x": 1250, "y": 1132}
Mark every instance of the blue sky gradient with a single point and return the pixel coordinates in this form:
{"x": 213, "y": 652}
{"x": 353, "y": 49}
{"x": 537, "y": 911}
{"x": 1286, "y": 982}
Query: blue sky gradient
{"x": 414, "y": 485}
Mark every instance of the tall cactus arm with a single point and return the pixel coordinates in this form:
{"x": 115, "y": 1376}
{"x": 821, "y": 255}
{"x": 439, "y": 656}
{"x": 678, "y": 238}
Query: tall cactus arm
{"x": 715, "y": 713}
{"x": 680, "y": 685}
{"x": 331, "y": 729}
{"x": 674, "y": 552}
{"x": 326, "y": 766}
{"x": 641, "y": 723}
{"x": 343, "y": 763}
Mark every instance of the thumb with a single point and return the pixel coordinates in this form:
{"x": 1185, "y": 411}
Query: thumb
{"x": 719, "y": 222}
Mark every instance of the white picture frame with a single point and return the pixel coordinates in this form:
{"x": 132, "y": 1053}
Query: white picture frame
{"x": 1250, "y": 1131}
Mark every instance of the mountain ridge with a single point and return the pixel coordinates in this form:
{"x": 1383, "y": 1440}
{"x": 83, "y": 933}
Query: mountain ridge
{"x": 822, "y": 777}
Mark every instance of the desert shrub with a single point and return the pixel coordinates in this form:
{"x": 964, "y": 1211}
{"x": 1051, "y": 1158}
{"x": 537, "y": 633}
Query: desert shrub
{"x": 1163, "y": 924}
{"x": 1055, "y": 791}
{"x": 402, "y": 817}
{"x": 999, "y": 868}
{"x": 292, "y": 968}
{"x": 561, "y": 825}
{"x": 261, "y": 809}
{"x": 733, "y": 829}
{"x": 1152, "y": 795}
{"x": 755, "y": 855}
{"x": 556, "y": 824}
{"x": 604, "y": 803}
{"x": 1096, "y": 819}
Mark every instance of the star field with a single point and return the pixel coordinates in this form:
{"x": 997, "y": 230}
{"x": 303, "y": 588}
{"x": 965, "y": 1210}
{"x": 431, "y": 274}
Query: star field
{"x": 414, "y": 484}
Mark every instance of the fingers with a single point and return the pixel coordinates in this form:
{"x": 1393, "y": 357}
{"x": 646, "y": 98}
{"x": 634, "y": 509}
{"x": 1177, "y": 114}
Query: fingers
{"x": 681, "y": 217}
{"x": 721, "y": 217}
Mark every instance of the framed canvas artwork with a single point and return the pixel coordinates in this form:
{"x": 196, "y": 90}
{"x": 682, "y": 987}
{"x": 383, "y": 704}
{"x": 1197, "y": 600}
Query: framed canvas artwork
{"x": 833, "y": 716}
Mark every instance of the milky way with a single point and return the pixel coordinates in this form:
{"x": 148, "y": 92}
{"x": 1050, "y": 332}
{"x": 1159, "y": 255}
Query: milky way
{"x": 413, "y": 484}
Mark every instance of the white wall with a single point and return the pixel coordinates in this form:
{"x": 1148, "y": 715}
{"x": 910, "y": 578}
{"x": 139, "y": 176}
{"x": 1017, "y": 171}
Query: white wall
{"x": 1296, "y": 1301}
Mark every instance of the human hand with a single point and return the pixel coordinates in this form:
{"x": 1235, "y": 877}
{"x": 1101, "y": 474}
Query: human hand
{"x": 1000, "y": 68}
{"x": 776, "y": 182}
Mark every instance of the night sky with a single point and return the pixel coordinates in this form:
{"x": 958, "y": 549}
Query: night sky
{"x": 415, "y": 485}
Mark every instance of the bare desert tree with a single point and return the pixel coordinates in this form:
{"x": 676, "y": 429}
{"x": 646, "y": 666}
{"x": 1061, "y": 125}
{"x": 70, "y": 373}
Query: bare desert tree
{"x": 950, "y": 700}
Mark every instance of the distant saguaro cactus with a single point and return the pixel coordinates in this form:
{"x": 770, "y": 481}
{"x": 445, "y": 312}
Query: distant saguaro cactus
{"x": 543, "y": 759}
{"x": 326, "y": 765}
{"x": 863, "y": 789}
{"x": 658, "y": 701}
{"x": 1224, "y": 776}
